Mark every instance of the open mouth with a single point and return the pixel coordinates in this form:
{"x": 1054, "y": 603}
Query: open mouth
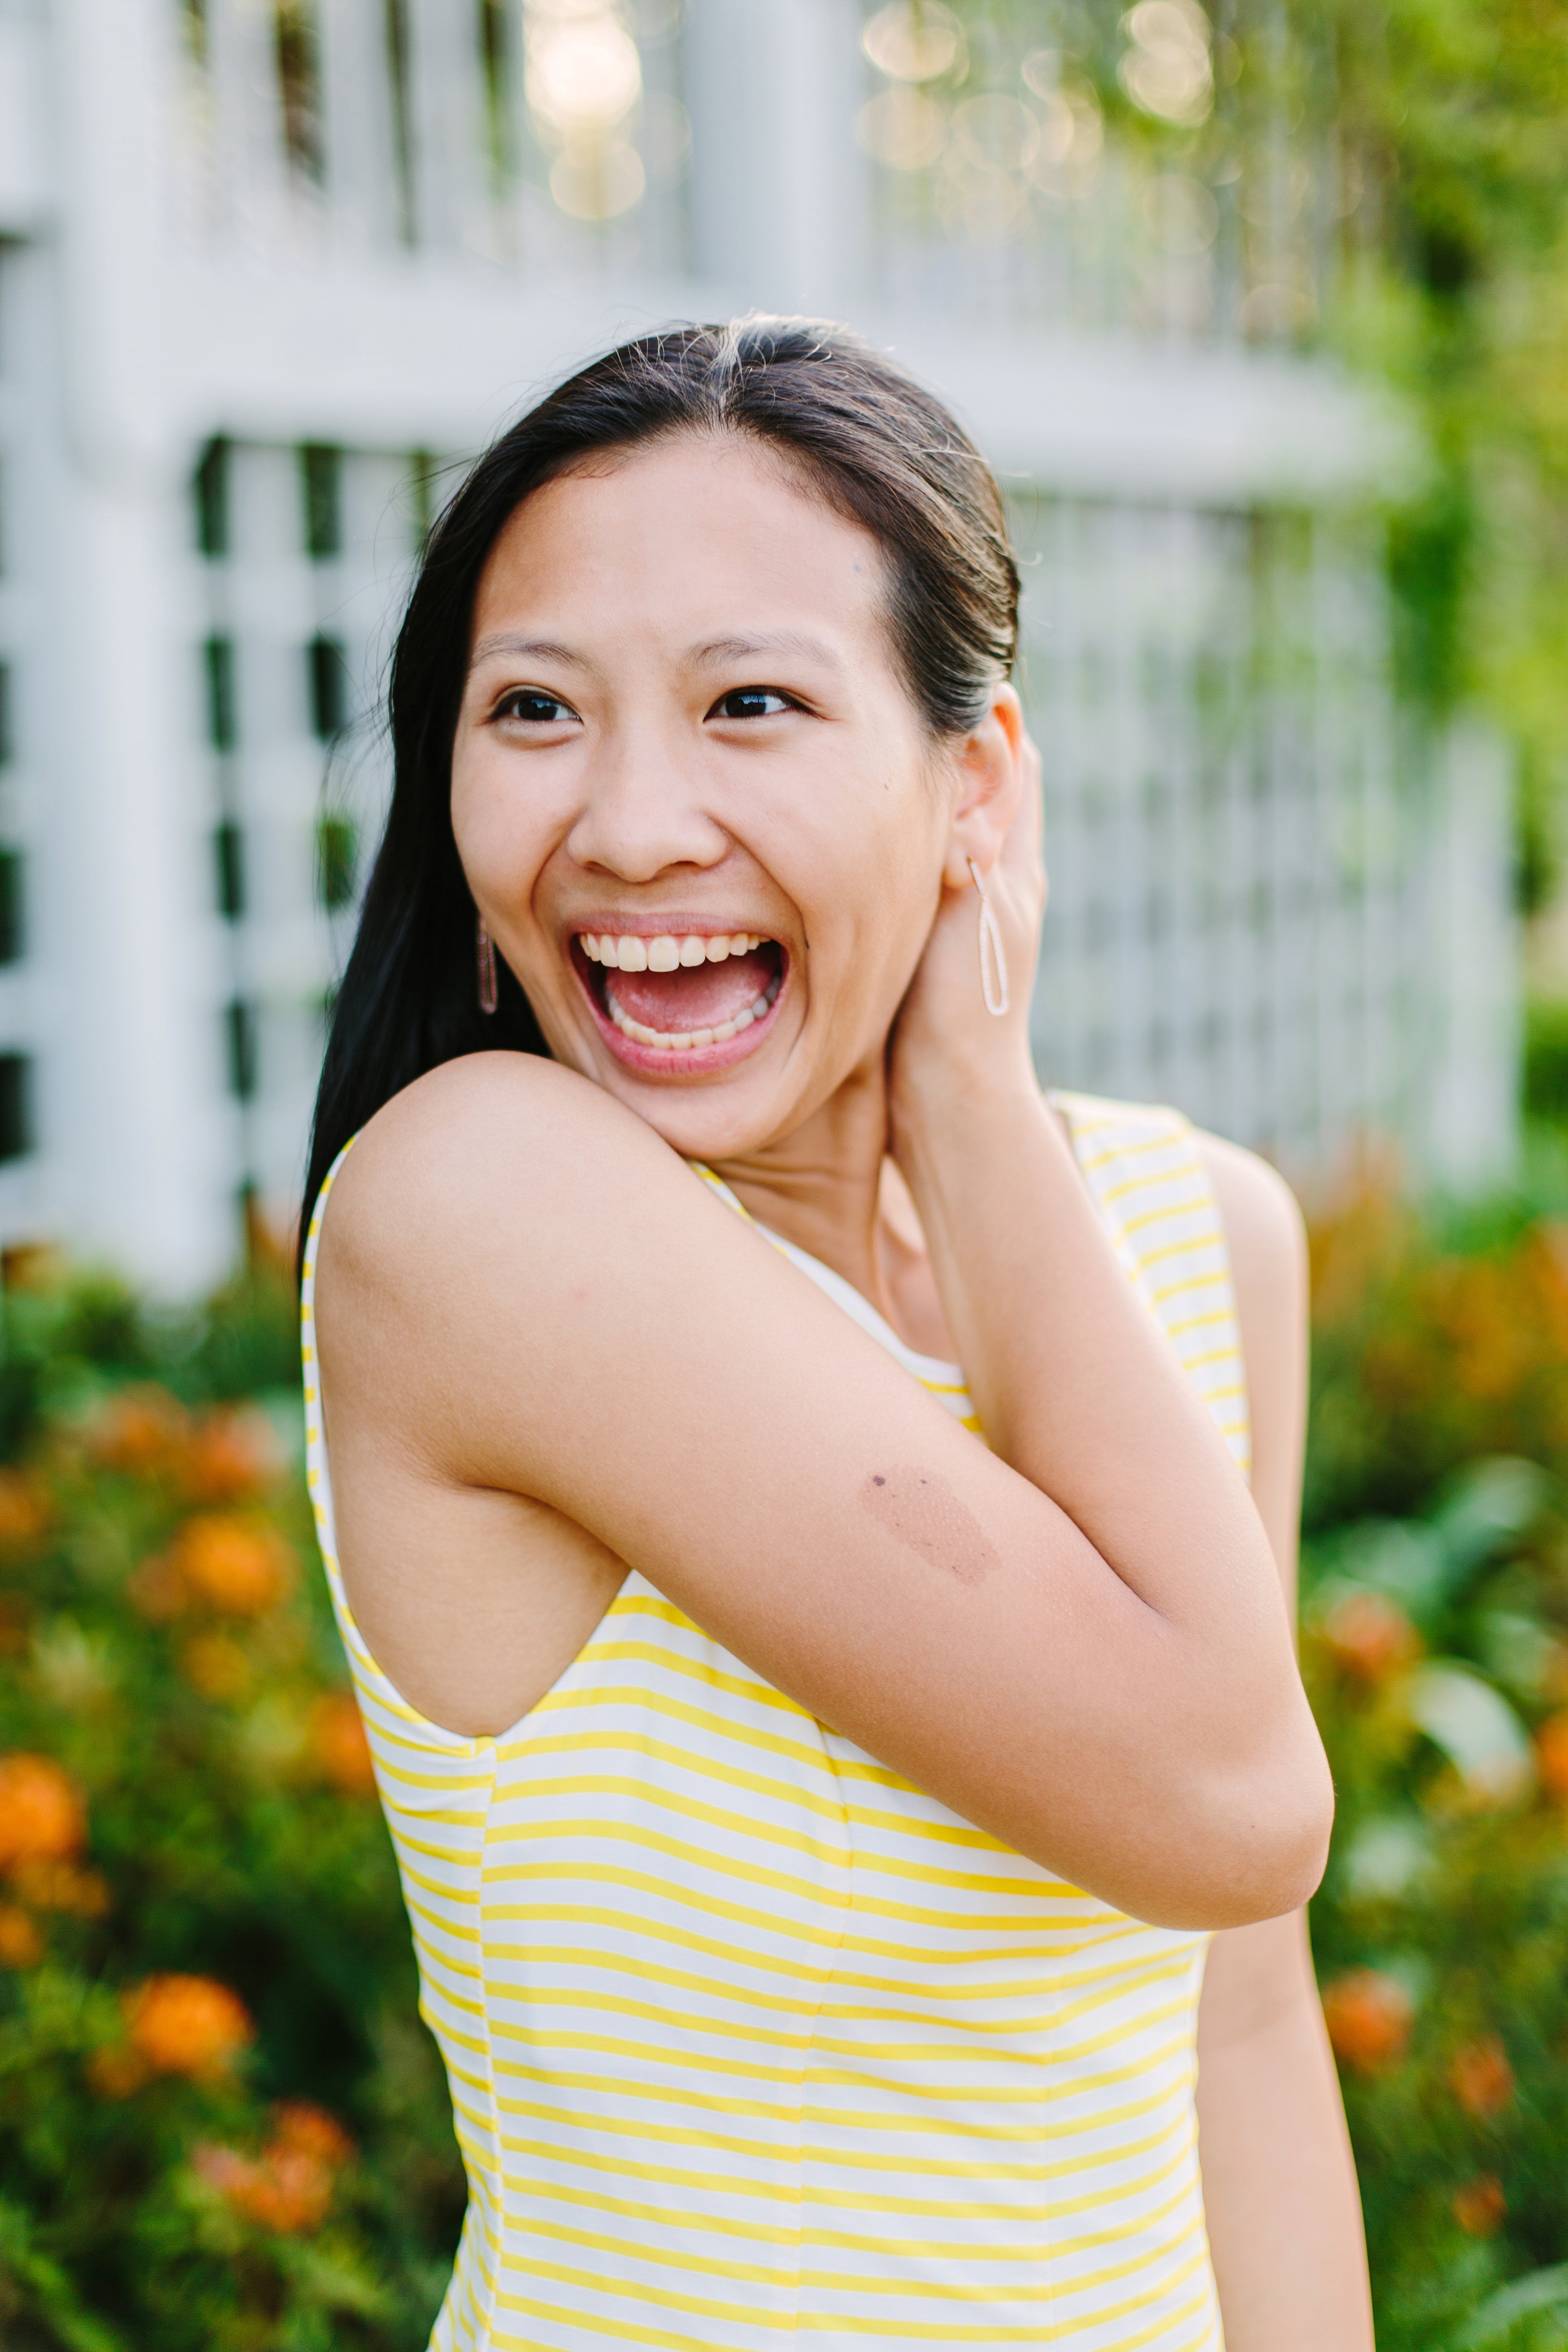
{"x": 664, "y": 999}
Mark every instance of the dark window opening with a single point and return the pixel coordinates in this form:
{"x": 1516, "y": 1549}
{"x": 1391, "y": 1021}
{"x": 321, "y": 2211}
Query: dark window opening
{"x": 493, "y": 50}
{"x": 300, "y": 87}
{"x": 228, "y": 859}
{"x": 321, "y": 478}
{"x": 12, "y": 936}
{"x": 194, "y": 12}
{"x": 397, "y": 46}
{"x": 15, "y": 1106}
{"x": 329, "y": 687}
{"x": 223, "y": 728}
{"x": 240, "y": 1036}
{"x": 211, "y": 490}
{"x": 337, "y": 861}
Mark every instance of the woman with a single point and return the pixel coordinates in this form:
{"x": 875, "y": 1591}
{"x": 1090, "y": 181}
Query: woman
{"x": 813, "y": 1821}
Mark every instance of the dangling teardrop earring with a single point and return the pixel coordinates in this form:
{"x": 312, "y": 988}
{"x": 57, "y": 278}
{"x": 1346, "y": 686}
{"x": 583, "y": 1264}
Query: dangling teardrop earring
{"x": 993, "y": 959}
{"x": 488, "y": 997}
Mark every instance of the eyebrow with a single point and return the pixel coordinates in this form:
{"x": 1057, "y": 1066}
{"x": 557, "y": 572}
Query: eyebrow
{"x": 528, "y": 649}
{"x": 720, "y": 650}
{"x": 717, "y": 652}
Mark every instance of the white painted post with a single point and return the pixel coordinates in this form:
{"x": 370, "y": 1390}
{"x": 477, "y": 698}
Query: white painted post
{"x": 1466, "y": 988}
{"x": 134, "y": 1076}
{"x": 251, "y": 159}
{"x": 446, "y": 109}
{"x": 358, "y": 125}
{"x": 780, "y": 191}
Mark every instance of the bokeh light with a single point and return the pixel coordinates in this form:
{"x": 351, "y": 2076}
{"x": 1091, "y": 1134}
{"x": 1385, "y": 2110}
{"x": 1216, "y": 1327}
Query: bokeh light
{"x": 915, "y": 42}
{"x": 1167, "y": 68}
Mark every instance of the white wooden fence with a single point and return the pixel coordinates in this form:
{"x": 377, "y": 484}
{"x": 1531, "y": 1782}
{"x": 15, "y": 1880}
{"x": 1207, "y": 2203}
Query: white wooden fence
{"x": 365, "y": 227}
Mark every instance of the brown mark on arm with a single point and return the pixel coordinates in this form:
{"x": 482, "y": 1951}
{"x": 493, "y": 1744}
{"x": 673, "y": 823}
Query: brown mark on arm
{"x": 921, "y": 1510}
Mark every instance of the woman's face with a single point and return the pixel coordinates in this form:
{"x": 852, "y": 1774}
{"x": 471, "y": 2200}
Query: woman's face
{"x": 697, "y": 806}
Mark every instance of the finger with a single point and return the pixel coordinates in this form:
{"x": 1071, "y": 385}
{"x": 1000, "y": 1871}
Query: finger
{"x": 1021, "y": 848}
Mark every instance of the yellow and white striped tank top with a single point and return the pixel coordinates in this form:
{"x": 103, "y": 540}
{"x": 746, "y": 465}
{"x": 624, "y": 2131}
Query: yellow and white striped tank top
{"x": 749, "y": 2038}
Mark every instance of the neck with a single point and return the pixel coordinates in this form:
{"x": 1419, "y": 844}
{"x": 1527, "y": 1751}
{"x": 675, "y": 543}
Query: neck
{"x": 819, "y": 1186}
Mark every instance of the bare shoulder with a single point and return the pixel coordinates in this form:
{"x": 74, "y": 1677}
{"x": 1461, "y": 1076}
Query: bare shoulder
{"x": 1266, "y": 1241}
{"x": 503, "y": 1144}
{"x": 1264, "y": 1230}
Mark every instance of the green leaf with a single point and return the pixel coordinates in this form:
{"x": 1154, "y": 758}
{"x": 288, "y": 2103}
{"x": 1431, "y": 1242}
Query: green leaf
{"x": 1476, "y": 1728}
{"x": 1542, "y": 2291}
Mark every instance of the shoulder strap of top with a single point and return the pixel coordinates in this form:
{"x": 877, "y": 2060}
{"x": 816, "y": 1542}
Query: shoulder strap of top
{"x": 1141, "y": 1164}
{"x": 380, "y": 1698}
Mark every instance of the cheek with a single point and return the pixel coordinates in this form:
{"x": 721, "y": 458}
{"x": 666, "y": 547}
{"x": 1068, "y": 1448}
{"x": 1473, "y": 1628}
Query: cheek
{"x": 500, "y": 829}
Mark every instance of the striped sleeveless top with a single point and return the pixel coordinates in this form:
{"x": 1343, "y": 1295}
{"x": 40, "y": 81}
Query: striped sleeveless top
{"x": 749, "y": 2038}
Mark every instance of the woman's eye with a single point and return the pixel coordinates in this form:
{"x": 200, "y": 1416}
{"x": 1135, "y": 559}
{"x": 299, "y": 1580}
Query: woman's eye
{"x": 751, "y": 702}
{"x": 536, "y": 709}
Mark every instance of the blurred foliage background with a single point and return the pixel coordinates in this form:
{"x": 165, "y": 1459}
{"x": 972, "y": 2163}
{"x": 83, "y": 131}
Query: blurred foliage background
{"x": 222, "y": 2124}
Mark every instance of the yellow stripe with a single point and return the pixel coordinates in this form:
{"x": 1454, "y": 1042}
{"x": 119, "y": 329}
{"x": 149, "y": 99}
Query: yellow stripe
{"x": 675, "y": 1948}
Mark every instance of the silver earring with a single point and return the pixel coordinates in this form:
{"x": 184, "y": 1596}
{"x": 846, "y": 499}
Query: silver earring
{"x": 488, "y": 992}
{"x": 993, "y": 959}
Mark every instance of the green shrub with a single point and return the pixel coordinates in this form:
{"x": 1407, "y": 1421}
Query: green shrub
{"x": 222, "y": 2124}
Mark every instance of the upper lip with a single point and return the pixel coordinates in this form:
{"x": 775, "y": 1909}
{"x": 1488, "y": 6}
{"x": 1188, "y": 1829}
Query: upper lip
{"x": 661, "y": 927}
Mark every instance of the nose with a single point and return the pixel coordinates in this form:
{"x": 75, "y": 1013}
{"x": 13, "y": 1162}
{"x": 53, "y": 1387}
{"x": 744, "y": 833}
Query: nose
{"x": 642, "y": 812}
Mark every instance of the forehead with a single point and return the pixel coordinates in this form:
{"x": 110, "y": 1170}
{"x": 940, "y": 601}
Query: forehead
{"x": 685, "y": 535}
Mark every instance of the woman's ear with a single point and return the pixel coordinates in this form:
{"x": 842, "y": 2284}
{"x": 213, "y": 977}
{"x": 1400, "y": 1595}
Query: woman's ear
{"x": 988, "y": 768}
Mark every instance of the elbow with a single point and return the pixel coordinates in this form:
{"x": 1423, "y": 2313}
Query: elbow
{"x": 1268, "y": 1836}
{"x": 1253, "y": 1842}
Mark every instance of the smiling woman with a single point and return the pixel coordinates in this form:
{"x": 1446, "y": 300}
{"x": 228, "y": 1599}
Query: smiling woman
{"x": 813, "y": 1819}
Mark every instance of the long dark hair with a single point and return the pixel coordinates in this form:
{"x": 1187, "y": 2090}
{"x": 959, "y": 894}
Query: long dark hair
{"x": 863, "y": 434}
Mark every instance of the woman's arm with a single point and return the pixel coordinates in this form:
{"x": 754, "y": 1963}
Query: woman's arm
{"x": 1075, "y": 1640}
{"x": 1284, "y": 2216}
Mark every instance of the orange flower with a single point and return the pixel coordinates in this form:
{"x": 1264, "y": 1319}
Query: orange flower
{"x": 1369, "y": 2016}
{"x": 290, "y": 2186}
{"x": 21, "y": 1944}
{"x": 186, "y": 2025}
{"x": 287, "y": 2189}
{"x": 233, "y": 1456}
{"x": 115, "y": 2072}
{"x": 1480, "y": 2206}
{"x": 1552, "y": 1753}
{"x": 215, "y": 1665}
{"x": 309, "y": 2130}
{"x": 25, "y": 1512}
{"x": 1483, "y": 2077}
{"x": 42, "y": 1817}
{"x": 140, "y": 1431}
{"x": 61, "y": 1887}
{"x": 1370, "y": 1637}
{"x": 339, "y": 1747}
{"x": 231, "y": 1565}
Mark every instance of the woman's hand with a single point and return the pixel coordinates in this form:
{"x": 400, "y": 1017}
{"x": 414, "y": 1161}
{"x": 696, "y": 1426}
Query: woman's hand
{"x": 944, "y": 1039}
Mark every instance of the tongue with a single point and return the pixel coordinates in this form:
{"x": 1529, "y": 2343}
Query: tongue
{"x": 695, "y": 996}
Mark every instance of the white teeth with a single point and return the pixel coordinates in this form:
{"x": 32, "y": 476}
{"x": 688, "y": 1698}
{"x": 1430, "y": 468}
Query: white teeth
{"x": 683, "y": 1045}
{"x": 663, "y": 954}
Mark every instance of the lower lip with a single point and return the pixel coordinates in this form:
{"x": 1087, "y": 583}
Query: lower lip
{"x": 659, "y": 1061}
